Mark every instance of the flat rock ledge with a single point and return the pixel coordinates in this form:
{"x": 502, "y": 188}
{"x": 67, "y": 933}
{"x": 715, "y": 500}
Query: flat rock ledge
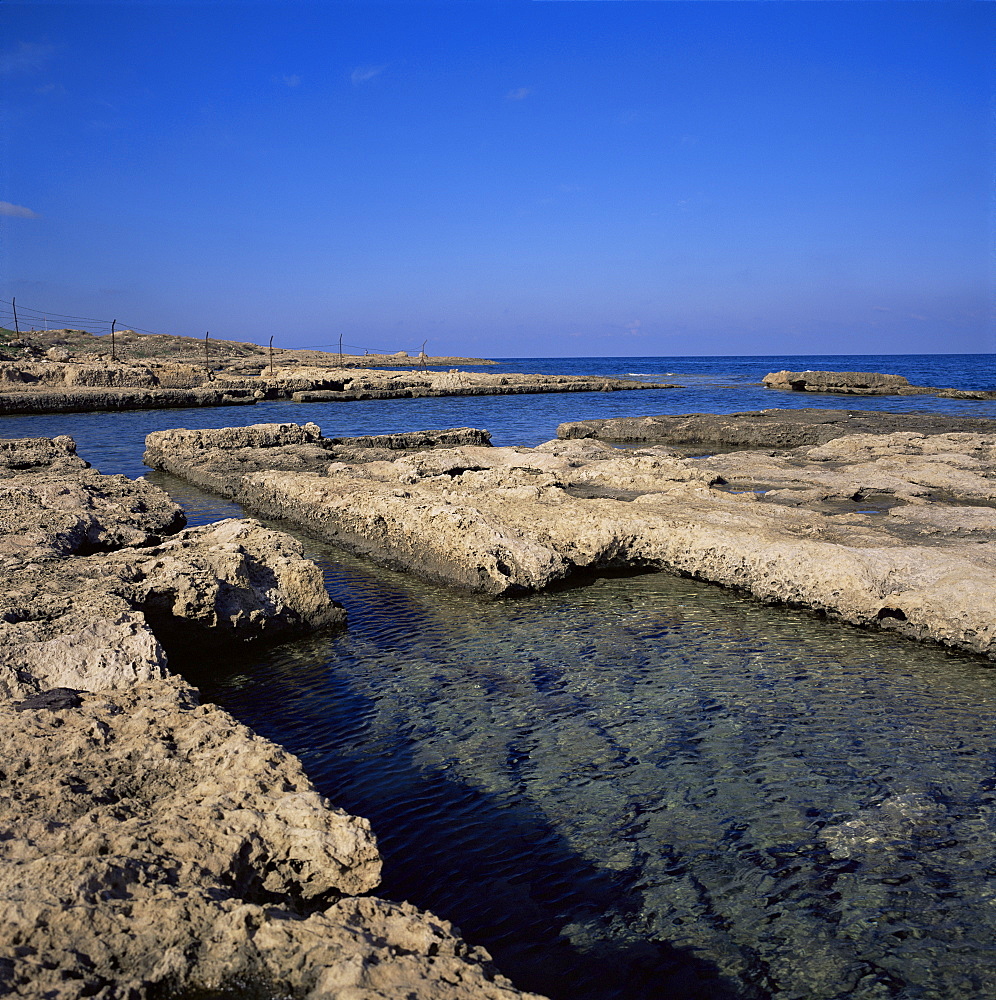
{"x": 894, "y": 530}
{"x": 699, "y": 433}
{"x": 864, "y": 384}
{"x": 151, "y": 846}
{"x": 67, "y": 386}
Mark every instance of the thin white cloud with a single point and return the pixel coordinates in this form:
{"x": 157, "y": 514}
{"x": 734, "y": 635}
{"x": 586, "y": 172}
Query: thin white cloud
{"x": 26, "y": 57}
{"x": 292, "y": 81}
{"x": 17, "y": 211}
{"x": 518, "y": 95}
{"x": 363, "y": 73}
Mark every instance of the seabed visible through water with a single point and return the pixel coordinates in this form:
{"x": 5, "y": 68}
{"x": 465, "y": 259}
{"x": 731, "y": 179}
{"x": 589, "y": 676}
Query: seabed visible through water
{"x": 645, "y": 786}
{"x": 639, "y": 786}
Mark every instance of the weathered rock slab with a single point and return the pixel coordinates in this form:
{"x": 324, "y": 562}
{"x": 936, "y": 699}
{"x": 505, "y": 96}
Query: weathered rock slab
{"x": 154, "y": 846}
{"x": 101, "y": 621}
{"x": 775, "y": 428}
{"x": 864, "y": 384}
{"x": 52, "y": 505}
{"x": 151, "y": 846}
{"x": 510, "y": 520}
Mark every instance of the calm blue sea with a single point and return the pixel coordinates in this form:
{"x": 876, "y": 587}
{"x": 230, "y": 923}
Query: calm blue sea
{"x": 114, "y": 442}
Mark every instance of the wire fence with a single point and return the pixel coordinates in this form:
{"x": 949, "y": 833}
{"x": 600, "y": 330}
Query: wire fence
{"x": 26, "y": 319}
{"x": 23, "y": 319}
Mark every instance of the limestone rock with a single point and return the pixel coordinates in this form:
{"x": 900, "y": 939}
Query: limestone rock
{"x": 503, "y": 521}
{"x": 852, "y": 383}
{"x": 101, "y": 621}
{"x": 155, "y": 847}
{"x": 52, "y": 504}
{"x": 864, "y": 384}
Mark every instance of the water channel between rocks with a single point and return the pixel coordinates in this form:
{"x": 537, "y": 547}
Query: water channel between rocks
{"x": 642, "y": 786}
{"x": 647, "y": 787}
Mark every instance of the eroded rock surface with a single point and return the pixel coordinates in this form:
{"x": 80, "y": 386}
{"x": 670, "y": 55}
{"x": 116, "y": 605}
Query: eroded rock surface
{"x": 151, "y": 846}
{"x": 99, "y": 619}
{"x": 52, "y": 504}
{"x": 61, "y": 386}
{"x": 792, "y": 527}
{"x": 102, "y": 621}
{"x": 848, "y": 383}
{"x": 155, "y": 847}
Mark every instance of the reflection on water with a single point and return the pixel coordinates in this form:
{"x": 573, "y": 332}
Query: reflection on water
{"x": 647, "y": 787}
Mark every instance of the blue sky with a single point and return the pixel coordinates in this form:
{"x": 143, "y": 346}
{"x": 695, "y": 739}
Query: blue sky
{"x": 507, "y": 179}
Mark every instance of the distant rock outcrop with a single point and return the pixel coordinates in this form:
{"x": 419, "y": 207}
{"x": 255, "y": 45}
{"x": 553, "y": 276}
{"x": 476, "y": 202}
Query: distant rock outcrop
{"x": 864, "y": 384}
{"x": 695, "y": 433}
{"x": 71, "y": 386}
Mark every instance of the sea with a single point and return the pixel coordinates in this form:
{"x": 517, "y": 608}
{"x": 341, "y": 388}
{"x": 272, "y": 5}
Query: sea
{"x": 638, "y": 786}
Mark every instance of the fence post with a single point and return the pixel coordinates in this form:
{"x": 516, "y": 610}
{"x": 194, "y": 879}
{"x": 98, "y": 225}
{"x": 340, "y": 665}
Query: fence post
{"x": 13, "y": 306}
{"x": 271, "y": 357}
{"x": 113, "y": 355}
{"x": 340, "y": 350}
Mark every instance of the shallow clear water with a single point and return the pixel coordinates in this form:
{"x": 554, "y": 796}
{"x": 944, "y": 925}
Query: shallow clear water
{"x": 647, "y": 787}
{"x": 639, "y": 787}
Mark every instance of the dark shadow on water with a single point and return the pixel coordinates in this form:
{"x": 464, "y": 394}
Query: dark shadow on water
{"x": 498, "y": 871}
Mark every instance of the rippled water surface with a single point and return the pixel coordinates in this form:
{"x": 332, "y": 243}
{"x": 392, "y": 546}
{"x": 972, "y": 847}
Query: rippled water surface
{"x": 648, "y": 787}
{"x": 641, "y": 787}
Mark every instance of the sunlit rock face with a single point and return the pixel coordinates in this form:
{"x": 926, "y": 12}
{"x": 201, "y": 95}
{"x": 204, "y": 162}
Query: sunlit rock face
{"x": 838, "y": 527}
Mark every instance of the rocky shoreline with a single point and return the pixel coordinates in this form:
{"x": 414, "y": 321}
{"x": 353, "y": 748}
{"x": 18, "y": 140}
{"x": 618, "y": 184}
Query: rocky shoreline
{"x": 891, "y": 530}
{"x": 152, "y": 846}
{"x": 53, "y": 386}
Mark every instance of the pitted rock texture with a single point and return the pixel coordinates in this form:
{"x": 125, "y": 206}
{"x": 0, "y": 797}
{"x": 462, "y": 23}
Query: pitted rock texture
{"x": 91, "y": 399}
{"x": 307, "y": 384}
{"x": 61, "y": 386}
{"x": 150, "y": 846}
{"x": 848, "y": 383}
{"x": 101, "y": 621}
{"x": 218, "y": 459}
{"x": 154, "y": 845}
{"x": 793, "y": 527}
{"x": 52, "y": 505}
